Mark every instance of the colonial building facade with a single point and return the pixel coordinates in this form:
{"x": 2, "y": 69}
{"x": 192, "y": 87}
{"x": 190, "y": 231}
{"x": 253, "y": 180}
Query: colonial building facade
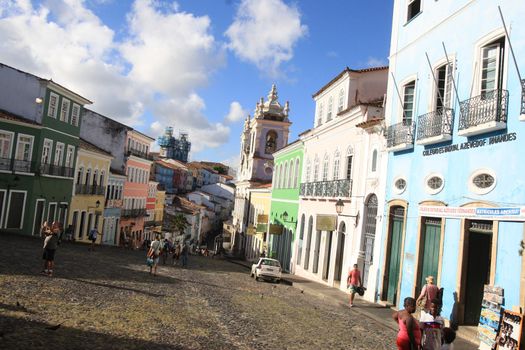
{"x": 341, "y": 181}
{"x": 455, "y": 133}
{"x": 262, "y": 135}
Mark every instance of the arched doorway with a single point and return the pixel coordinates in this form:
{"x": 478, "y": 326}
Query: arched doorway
{"x": 286, "y": 249}
{"x": 393, "y": 256}
{"x": 300, "y": 243}
{"x": 340, "y": 252}
{"x": 308, "y": 243}
{"x": 368, "y": 236}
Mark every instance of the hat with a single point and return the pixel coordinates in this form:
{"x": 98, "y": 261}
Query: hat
{"x": 430, "y": 279}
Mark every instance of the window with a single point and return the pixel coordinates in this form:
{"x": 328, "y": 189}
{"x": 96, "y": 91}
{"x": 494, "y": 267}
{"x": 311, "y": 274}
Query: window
{"x": 482, "y": 181}
{"x": 443, "y": 92}
{"x": 276, "y": 177}
{"x": 46, "y": 151}
{"x": 59, "y": 153}
{"x": 492, "y": 67}
{"x": 400, "y": 184}
{"x": 408, "y": 102}
{"x": 330, "y": 107}
{"x": 101, "y": 181}
{"x": 80, "y": 174}
{"x": 341, "y": 101}
{"x": 325, "y": 167}
{"x": 15, "y": 209}
{"x": 271, "y": 142}
{"x": 75, "y": 114}
{"x": 53, "y": 105}
{"x": 374, "y": 161}
{"x": 414, "y": 8}
{"x": 24, "y": 150}
{"x": 289, "y": 181}
{"x": 308, "y": 168}
{"x": 316, "y": 169}
{"x": 286, "y": 173}
{"x": 434, "y": 183}
{"x": 335, "y": 172}
{"x": 6, "y": 142}
{"x": 88, "y": 176}
{"x": 320, "y": 114}
{"x": 69, "y": 156}
{"x": 95, "y": 177}
{"x": 349, "y": 159}
{"x": 296, "y": 174}
{"x": 64, "y": 111}
{"x": 281, "y": 176}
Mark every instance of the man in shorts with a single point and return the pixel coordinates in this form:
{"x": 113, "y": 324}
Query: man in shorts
{"x": 353, "y": 282}
{"x": 93, "y": 234}
{"x": 154, "y": 253}
{"x": 50, "y": 246}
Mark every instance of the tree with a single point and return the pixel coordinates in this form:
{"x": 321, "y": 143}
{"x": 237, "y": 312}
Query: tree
{"x": 179, "y": 223}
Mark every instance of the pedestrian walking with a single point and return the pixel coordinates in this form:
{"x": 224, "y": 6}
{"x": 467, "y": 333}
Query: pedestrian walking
{"x": 154, "y": 253}
{"x": 409, "y": 335}
{"x": 429, "y": 292}
{"x": 354, "y": 282}
{"x": 93, "y": 234}
{"x": 176, "y": 254}
{"x": 184, "y": 254}
{"x": 50, "y": 246}
{"x": 166, "y": 247}
{"x": 432, "y": 326}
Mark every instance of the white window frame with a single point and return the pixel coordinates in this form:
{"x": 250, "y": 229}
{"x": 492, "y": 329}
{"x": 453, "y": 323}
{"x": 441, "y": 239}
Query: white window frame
{"x": 398, "y": 190}
{"x": 430, "y": 190}
{"x": 337, "y": 166}
{"x": 403, "y": 111}
{"x": 330, "y": 108}
{"x": 409, "y": 2}
{"x": 296, "y": 173}
{"x": 477, "y": 63}
{"x": 341, "y": 101}
{"x": 75, "y": 118}
{"x": 69, "y": 163}
{"x": 57, "y": 97}
{"x": 326, "y": 166}
{"x": 61, "y": 155}
{"x": 373, "y": 164}
{"x": 49, "y": 142}
{"x": 9, "y": 207}
{"x": 64, "y": 117}
{"x": 2, "y": 217}
{"x": 475, "y": 189}
{"x": 34, "y": 216}
{"x": 31, "y": 143}
{"x": 11, "y": 142}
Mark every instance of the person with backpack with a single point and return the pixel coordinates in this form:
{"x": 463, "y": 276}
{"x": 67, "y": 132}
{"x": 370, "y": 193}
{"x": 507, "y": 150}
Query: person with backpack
{"x": 154, "y": 253}
{"x": 166, "y": 248}
{"x": 93, "y": 234}
{"x": 428, "y": 293}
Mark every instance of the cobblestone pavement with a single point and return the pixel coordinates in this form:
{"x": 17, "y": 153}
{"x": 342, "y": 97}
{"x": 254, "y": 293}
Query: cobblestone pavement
{"x": 107, "y": 300}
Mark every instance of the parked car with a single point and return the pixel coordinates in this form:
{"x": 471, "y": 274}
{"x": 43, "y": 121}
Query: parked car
{"x": 268, "y": 269}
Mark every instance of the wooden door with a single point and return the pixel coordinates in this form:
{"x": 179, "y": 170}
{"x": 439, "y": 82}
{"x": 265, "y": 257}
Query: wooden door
{"x": 431, "y": 242}
{"x": 394, "y": 254}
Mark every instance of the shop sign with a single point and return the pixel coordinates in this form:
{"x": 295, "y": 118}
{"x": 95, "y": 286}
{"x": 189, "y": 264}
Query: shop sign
{"x": 262, "y": 218}
{"x": 498, "y": 214}
{"x": 261, "y": 228}
{"x": 250, "y": 231}
{"x": 276, "y": 229}
{"x": 325, "y": 222}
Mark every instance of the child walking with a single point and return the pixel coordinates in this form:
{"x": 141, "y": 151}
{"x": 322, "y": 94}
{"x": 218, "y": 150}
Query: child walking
{"x": 431, "y": 325}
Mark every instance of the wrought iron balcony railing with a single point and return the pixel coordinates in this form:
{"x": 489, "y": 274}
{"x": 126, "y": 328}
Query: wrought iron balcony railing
{"x": 20, "y": 166}
{"x": 435, "y": 123}
{"x": 89, "y": 189}
{"x": 334, "y": 188}
{"x": 133, "y": 213}
{"x": 490, "y": 106}
{"x": 401, "y": 134}
{"x": 137, "y": 153}
{"x": 56, "y": 170}
{"x": 152, "y": 223}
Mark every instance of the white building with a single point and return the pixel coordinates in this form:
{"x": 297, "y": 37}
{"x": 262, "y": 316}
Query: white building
{"x": 343, "y": 164}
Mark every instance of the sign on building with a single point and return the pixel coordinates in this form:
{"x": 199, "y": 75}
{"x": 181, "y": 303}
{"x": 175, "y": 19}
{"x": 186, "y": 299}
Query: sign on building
{"x": 276, "y": 229}
{"x": 262, "y": 218}
{"x": 325, "y": 222}
{"x": 262, "y": 228}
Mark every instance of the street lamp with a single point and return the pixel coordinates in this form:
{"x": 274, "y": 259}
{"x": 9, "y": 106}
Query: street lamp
{"x": 285, "y": 216}
{"x": 97, "y": 204}
{"x": 339, "y": 206}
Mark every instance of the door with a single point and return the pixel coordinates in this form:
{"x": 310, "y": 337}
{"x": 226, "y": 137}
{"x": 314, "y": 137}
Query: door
{"x": 39, "y": 217}
{"x": 316, "y": 251}
{"x": 369, "y": 233}
{"x": 340, "y": 252}
{"x": 308, "y": 244}
{"x": 327, "y": 254}
{"x": 81, "y": 225}
{"x": 478, "y": 268}
{"x": 431, "y": 239}
{"x": 51, "y": 213}
{"x": 397, "y": 222}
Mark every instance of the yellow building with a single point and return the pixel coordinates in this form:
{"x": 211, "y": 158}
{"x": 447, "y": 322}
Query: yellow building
{"x": 87, "y": 203}
{"x": 260, "y": 199}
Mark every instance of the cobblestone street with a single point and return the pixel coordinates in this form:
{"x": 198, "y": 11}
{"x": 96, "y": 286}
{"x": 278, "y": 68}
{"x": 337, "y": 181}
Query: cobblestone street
{"x": 107, "y": 300}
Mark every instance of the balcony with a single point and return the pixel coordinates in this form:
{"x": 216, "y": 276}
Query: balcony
{"x": 18, "y": 166}
{"x": 152, "y": 223}
{"x": 435, "y": 127}
{"x": 400, "y": 136}
{"x": 483, "y": 113}
{"x": 137, "y": 153}
{"x": 335, "y": 189}
{"x": 56, "y": 170}
{"x": 89, "y": 189}
{"x": 134, "y": 213}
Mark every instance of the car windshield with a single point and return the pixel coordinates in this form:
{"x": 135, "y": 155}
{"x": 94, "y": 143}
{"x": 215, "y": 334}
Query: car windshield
{"x": 270, "y": 263}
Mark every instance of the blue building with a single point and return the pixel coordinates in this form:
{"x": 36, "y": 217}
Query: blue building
{"x": 164, "y": 175}
{"x": 455, "y": 134}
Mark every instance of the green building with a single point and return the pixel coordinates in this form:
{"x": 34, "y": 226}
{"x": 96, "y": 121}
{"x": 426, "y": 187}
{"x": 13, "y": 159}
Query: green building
{"x": 285, "y": 202}
{"x": 39, "y": 139}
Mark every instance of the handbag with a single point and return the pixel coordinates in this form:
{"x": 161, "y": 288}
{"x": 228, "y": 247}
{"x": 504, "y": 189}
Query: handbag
{"x": 361, "y": 291}
{"x": 149, "y": 261}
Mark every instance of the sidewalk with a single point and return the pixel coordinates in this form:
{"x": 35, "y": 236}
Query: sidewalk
{"x": 377, "y": 312}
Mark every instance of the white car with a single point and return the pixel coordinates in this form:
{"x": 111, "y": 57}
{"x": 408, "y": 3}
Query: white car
{"x": 267, "y": 268}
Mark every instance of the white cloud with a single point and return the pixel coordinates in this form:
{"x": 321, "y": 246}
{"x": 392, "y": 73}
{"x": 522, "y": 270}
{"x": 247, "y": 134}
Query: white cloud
{"x": 376, "y": 62}
{"x": 264, "y": 32}
{"x": 167, "y": 56}
{"x": 236, "y": 113}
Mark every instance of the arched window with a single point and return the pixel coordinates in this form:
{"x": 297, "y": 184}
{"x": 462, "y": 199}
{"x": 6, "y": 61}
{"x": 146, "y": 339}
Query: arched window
{"x": 286, "y": 174}
{"x": 80, "y": 174}
{"x": 88, "y": 176}
{"x": 330, "y": 107}
{"x": 95, "y": 177}
{"x": 296, "y": 174}
{"x": 316, "y": 169}
{"x": 325, "y": 167}
{"x": 289, "y": 181}
{"x": 349, "y": 158}
{"x": 276, "y": 177}
{"x": 320, "y": 114}
{"x": 337, "y": 160}
{"x": 281, "y": 176}
{"x": 102, "y": 175}
{"x": 308, "y": 168}
{"x": 271, "y": 142}
{"x": 341, "y": 101}
{"x": 300, "y": 243}
{"x": 374, "y": 161}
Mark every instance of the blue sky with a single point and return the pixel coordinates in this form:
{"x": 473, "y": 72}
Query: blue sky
{"x": 196, "y": 65}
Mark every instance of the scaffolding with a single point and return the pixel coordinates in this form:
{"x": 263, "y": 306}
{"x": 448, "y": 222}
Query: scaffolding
{"x": 174, "y": 148}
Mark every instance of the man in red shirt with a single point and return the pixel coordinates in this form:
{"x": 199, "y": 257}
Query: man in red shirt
{"x": 353, "y": 282}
